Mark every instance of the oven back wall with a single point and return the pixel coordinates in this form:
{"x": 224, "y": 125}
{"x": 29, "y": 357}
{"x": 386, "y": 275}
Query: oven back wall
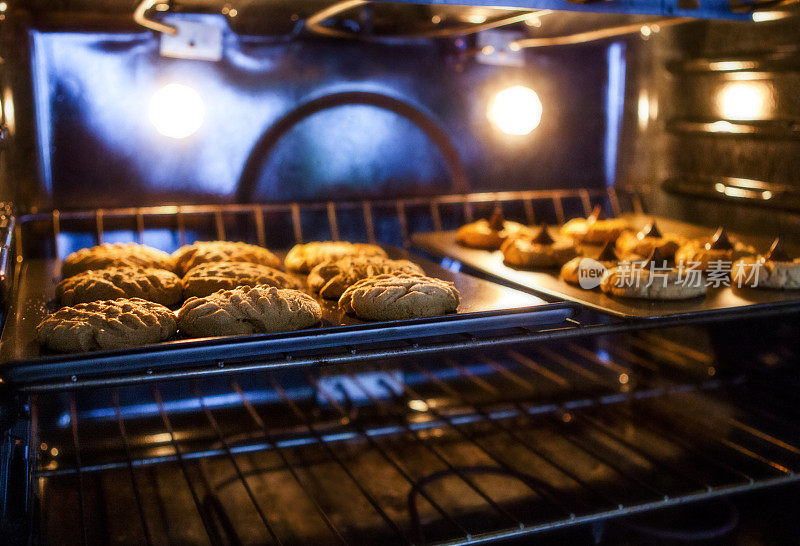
{"x": 100, "y": 146}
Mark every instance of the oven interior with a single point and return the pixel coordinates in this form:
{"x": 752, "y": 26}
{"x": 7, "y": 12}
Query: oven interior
{"x": 600, "y": 431}
{"x": 459, "y": 448}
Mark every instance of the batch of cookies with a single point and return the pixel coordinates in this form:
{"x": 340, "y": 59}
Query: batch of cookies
{"x": 122, "y": 295}
{"x": 630, "y": 260}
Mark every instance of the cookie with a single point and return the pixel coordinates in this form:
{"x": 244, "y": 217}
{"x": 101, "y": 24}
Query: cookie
{"x": 636, "y": 246}
{"x": 399, "y": 297}
{"x": 572, "y": 270}
{"x": 489, "y": 234}
{"x": 207, "y": 278}
{"x": 538, "y": 251}
{"x": 156, "y": 285}
{"x": 775, "y": 270}
{"x": 706, "y": 254}
{"x": 595, "y": 229}
{"x": 651, "y": 280}
{"x": 115, "y": 255}
{"x": 331, "y": 279}
{"x": 190, "y": 256}
{"x": 248, "y": 310}
{"x": 106, "y": 325}
{"x": 304, "y": 257}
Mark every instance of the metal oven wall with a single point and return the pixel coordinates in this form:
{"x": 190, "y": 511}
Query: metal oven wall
{"x": 95, "y": 145}
{"x": 709, "y": 101}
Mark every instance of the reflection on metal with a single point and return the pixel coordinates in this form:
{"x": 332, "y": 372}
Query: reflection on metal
{"x": 753, "y": 192}
{"x": 643, "y": 109}
{"x": 266, "y": 144}
{"x": 315, "y": 23}
{"x": 600, "y": 34}
{"x": 140, "y": 16}
{"x": 775, "y": 129}
{"x": 787, "y": 59}
{"x": 764, "y": 16}
{"x": 615, "y": 102}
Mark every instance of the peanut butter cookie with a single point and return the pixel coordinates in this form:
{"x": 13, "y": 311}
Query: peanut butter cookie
{"x": 331, "y": 279}
{"x": 156, "y": 285}
{"x": 189, "y": 256}
{"x": 207, "y": 278}
{"x": 115, "y": 255}
{"x": 106, "y": 325}
{"x": 304, "y": 257}
{"x": 398, "y": 297}
{"x": 248, "y": 310}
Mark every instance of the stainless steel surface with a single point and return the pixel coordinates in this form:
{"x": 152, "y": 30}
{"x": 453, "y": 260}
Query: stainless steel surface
{"x": 713, "y": 101}
{"x": 754, "y": 193}
{"x": 719, "y": 301}
{"x": 458, "y": 448}
{"x": 484, "y": 307}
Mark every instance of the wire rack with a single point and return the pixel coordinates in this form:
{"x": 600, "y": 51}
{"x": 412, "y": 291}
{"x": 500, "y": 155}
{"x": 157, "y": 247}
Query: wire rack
{"x": 276, "y": 225}
{"x": 56, "y": 233}
{"x": 454, "y": 449}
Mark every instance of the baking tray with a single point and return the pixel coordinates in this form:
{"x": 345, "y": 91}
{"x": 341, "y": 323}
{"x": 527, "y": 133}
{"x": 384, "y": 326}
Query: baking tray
{"x": 718, "y": 301}
{"x": 485, "y": 306}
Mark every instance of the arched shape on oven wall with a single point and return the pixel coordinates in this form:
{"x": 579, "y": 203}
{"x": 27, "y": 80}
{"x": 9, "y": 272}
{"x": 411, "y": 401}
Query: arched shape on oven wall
{"x": 266, "y": 144}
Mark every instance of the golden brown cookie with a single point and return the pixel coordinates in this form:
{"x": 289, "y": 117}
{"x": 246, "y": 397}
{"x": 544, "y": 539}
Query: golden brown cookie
{"x": 248, "y": 310}
{"x": 202, "y": 252}
{"x": 709, "y": 253}
{"x": 538, "y": 251}
{"x": 774, "y": 270}
{"x": 571, "y": 271}
{"x": 652, "y": 280}
{"x": 207, "y": 278}
{"x": 399, "y": 297}
{"x": 304, "y": 257}
{"x": 636, "y": 246}
{"x": 331, "y": 279}
{"x": 595, "y": 229}
{"x": 157, "y": 285}
{"x": 115, "y": 255}
{"x": 106, "y": 325}
{"x": 489, "y": 234}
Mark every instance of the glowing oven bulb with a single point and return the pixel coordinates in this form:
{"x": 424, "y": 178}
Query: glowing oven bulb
{"x": 516, "y": 110}
{"x": 743, "y": 100}
{"x": 176, "y": 110}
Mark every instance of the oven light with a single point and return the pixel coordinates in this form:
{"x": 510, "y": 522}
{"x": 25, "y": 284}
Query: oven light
{"x": 516, "y": 110}
{"x": 743, "y": 100}
{"x": 176, "y": 110}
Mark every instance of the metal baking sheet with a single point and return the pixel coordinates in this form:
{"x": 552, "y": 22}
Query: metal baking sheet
{"x": 484, "y": 306}
{"x": 720, "y": 300}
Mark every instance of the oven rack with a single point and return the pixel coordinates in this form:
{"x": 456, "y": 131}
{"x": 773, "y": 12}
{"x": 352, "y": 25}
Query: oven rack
{"x": 56, "y": 233}
{"x": 638, "y": 441}
{"x": 407, "y": 213}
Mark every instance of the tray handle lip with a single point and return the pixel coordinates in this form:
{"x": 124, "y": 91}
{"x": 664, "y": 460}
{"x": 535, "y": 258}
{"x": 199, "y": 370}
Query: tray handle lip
{"x": 195, "y": 344}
